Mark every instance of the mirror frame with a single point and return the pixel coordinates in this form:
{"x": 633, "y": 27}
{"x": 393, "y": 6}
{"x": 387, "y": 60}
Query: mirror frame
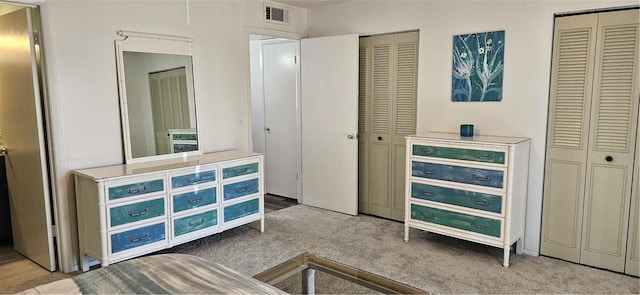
{"x": 149, "y": 43}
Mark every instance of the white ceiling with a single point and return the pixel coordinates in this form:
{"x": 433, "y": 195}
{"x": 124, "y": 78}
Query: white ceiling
{"x": 309, "y": 3}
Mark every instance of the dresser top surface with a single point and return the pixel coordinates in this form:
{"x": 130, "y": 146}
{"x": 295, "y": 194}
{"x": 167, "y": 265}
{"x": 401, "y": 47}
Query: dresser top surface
{"x": 481, "y": 139}
{"x": 104, "y": 172}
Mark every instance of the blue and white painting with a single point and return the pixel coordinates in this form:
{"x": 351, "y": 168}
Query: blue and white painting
{"x": 478, "y": 63}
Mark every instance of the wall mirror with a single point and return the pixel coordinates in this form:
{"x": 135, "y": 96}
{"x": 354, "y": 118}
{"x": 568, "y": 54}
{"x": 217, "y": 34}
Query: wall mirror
{"x": 157, "y": 97}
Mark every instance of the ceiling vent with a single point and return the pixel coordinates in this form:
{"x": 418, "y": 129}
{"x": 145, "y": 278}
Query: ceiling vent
{"x": 275, "y": 14}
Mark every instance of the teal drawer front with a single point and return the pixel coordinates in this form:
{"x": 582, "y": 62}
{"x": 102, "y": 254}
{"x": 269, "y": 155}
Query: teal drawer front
{"x": 194, "y": 199}
{"x": 239, "y": 170}
{"x": 476, "y": 224}
{"x": 136, "y": 189}
{"x": 243, "y": 209}
{"x": 137, "y": 237}
{"x": 185, "y": 136}
{"x": 459, "y": 154}
{"x": 136, "y": 212}
{"x": 477, "y": 176}
{"x": 193, "y": 179}
{"x": 184, "y": 147}
{"x": 195, "y": 222}
{"x": 240, "y": 189}
{"x": 474, "y": 200}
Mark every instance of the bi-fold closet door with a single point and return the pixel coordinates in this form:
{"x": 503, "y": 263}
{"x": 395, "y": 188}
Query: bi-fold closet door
{"x": 590, "y": 210}
{"x": 387, "y": 110}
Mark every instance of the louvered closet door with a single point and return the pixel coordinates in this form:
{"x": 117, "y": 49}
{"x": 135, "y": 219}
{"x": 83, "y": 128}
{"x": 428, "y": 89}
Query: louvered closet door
{"x": 363, "y": 124}
{"x": 169, "y": 102}
{"x": 387, "y": 106}
{"x": 380, "y": 138}
{"x": 592, "y": 140}
{"x": 612, "y": 141}
{"x": 571, "y": 83}
{"x": 404, "y": 114}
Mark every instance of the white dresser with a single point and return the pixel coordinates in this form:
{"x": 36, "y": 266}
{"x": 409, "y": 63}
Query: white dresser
{"x": 125, "y": 211}
{"x": 472, "y": 188}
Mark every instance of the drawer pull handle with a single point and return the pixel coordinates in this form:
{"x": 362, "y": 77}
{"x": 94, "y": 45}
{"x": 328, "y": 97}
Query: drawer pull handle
{"x": 143, "y": 212}
{"x": 480, "y": 202}
{"x": 479, "y": 226}
{"x": 242, "y": 171}
{"x": 427, "y": 216}
{"x": 480, "y": 178}
{"x": 193, "y": 201}
{"x": 483, "y": 157}
{"x": 144, "y": 237}
{"x": 428, "y": 172}
{"x": 244, "y": 209}
{"x": 430, "y": 152}
{"x": 195, "y": 180}
{"x": 139, "y": 190}
{"x": 242, "y": 189}
{"x": 199, "y": 222}
{"x": 429, "y": 194}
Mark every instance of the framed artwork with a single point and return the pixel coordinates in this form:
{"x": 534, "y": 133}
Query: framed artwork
{"x": 478, "y": 63}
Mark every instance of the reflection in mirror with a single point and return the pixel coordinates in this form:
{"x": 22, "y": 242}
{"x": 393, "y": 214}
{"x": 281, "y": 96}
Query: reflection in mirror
{"x": 157, "y": 100}
{"x": 160, "y": 103}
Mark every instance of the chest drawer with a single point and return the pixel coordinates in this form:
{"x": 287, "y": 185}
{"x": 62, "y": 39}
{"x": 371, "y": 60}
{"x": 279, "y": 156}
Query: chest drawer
{"x": 179, "y": 181}
{"x": 240, "y": 189}
{"x": 184, "y": 147}
{"x": 138, "y": 237}
{"x": 194, "y": 199}
{"x": 474, "y": 200}
{"x": 471, "y": 223}
{"x": 191, "y": 223}
{"x": 454, "y": 153}
{"x": 241, "y": 209}
{"x": 239, "y": 170}
{"x": 138, "y": 211}
{"x": 184, "y": 136}
{"x": 120, "y": 191}
{"x": 475, "y": 176}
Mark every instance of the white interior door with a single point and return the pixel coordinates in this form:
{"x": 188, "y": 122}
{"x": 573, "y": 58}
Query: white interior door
{"x": 23, "y": 134}
{"x": 329, "y": 87}
{"x": 280, "y": 110}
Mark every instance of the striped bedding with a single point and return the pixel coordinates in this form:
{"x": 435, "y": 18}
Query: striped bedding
{"x": 159, "y": 274}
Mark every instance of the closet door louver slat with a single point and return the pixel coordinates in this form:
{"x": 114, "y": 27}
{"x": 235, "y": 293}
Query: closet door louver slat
{"x": 362, "y": 86}
{"x": 571, "y": 88}
{"x": 381, "y": 88}
{"x": 614, "y": 111}
{"x": 405, "y": 88}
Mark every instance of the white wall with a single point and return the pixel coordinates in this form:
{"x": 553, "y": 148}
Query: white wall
{"x": 80, "y": 58}
{"x": 529, "y": 33}
{"x": 257, "y": 100}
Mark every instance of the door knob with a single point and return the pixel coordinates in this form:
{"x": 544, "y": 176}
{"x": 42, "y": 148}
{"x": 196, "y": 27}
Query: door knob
{"x": 379, "y": 137}
{"x": 608, "y": 158}
{"x": 351, "y": 136}
{"x": 267, "y": 128}
{"x": 4, "y": 151}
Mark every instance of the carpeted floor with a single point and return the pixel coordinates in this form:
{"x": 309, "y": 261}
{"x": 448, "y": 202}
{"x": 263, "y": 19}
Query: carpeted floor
{"x": 431, "y": 262}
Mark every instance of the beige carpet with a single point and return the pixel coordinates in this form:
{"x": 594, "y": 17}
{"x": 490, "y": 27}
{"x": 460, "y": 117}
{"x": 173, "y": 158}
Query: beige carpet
{"x": 431, "y": 262}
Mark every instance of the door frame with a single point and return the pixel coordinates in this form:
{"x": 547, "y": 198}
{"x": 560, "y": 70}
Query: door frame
{"x": 285, "y": 35}
{"x": 62, "y": 244}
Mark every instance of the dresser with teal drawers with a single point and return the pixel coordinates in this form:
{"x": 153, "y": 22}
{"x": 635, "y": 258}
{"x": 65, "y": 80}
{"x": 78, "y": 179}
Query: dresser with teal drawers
{"x": 472, "y": 188}
{"x": 125, "y": 211}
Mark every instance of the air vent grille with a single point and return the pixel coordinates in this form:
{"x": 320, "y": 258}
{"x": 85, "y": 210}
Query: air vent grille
{"x": 276, "y": 14}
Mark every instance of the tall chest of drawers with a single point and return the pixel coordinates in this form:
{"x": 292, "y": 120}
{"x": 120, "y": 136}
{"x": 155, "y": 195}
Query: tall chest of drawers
{"x": 125, "y": 211}
{"x": 471, "y": 188}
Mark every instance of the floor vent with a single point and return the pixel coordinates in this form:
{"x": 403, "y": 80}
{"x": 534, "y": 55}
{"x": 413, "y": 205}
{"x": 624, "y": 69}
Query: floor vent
{"x": 276, "y": 14}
